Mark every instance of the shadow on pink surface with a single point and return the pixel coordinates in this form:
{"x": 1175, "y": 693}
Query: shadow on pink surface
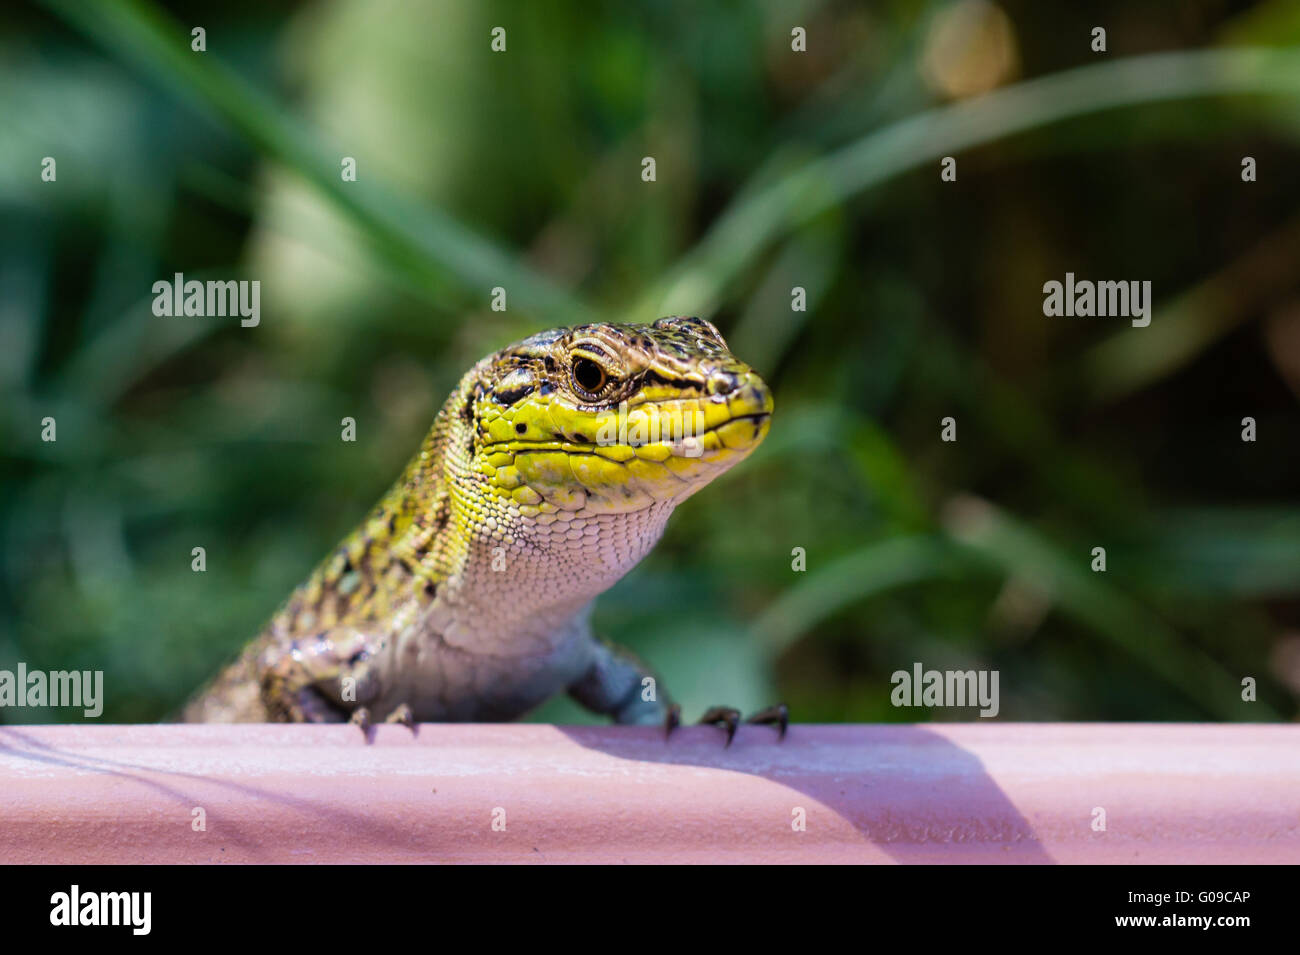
{"x": 910, "y": 792}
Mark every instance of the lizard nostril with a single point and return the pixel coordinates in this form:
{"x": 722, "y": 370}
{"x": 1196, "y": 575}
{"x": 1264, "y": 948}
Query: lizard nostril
{"x": 723, "y": 382}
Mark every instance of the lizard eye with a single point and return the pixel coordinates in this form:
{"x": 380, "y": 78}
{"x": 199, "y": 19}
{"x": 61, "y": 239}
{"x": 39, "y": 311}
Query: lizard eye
{"x": 589, "y": 376}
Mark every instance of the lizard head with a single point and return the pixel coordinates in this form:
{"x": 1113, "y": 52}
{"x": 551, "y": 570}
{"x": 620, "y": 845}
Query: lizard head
{"x": 609, "y": 419}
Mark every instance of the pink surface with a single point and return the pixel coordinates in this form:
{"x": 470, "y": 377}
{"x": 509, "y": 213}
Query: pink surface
{"x": 954, "y": 793}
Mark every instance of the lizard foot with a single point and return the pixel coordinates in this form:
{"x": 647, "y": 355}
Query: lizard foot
{"x": 728, "y": 718}
{"x": 672, "y": 719}
{"x": 777, "y": 714}
{"x": 404, "y": 715}
{"x": 361, "y": 717}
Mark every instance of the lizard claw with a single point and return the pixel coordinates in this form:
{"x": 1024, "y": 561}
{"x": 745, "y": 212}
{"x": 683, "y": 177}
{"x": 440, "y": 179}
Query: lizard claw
{"x": 777, "y": 713}
{"x": 403, "y": 715}
{"x": 361, "y": 717}
{"x": 727, "y": 717}
{"x": 672, "y": 719}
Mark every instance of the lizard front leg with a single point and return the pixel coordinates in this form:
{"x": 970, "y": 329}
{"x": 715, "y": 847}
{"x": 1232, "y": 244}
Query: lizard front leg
{"x": 294, "y": 675}
{"x": 620, "y": 686}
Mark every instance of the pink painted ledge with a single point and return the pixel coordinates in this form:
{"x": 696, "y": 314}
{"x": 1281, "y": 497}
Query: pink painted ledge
{"x": 1001, "y": 792}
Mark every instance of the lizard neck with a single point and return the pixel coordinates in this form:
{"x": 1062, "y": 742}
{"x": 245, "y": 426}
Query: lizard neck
{"x": 481, "y": 554}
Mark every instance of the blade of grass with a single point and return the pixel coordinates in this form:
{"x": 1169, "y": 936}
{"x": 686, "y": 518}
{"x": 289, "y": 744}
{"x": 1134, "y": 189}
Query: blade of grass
{"x": 699, "y": 280}
{"x": 996, "y": 537}
{"x": 881, "y": 565}
{"x": 1248, "y": 552}
{"x": 1122, "y": 364}
{"x": 409, "y": 235}
{"x": 878, "y": 464}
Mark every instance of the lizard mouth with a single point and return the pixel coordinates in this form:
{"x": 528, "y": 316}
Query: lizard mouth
{"x": 654, "y": 428}
{"x": 624, "y": 460}
{"x": 731, "y": 428}
{"x": 742, "y": 432}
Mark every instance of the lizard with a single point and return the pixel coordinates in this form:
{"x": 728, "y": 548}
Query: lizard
{"x": 465, "y": 594}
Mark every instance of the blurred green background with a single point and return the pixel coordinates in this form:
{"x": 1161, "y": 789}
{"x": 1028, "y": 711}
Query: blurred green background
{"x": 775, "y": 169}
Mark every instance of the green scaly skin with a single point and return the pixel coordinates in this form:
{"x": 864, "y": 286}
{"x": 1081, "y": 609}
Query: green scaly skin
{"x": 464, "y": 596}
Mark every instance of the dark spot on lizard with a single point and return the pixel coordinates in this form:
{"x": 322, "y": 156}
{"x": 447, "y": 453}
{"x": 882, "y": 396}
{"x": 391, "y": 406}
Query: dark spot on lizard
{"x": 653, "y": 377}
{"x": 594, "y": 349}
{"x": 511, "y": 395}
{"x": 521, "y": 428}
